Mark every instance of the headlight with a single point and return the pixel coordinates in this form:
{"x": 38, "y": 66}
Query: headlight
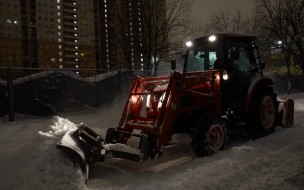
{"x": 212, "y": 38}
{"x": 189, "y": 44}
{"x": 225, "y": 75}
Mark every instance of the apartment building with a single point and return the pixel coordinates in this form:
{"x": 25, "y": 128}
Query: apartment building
{"x": 117, "y": 21}
{"x": 71, "y": 34}
{"x": 49, "y": 34}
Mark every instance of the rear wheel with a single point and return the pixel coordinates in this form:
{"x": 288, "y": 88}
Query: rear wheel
{"x": 208, "y": 136}
{"x": 263, "y": 114}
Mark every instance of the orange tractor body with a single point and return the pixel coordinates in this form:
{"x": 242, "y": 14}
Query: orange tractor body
{"x": 222, "y": 88}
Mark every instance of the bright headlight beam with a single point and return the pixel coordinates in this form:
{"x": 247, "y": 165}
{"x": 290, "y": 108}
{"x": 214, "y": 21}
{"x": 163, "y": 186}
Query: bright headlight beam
{"x": 189, "y": 44}
{"x": 212, "y": 38}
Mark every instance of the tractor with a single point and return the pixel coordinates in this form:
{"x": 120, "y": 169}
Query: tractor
{"x": 221, "y": 89}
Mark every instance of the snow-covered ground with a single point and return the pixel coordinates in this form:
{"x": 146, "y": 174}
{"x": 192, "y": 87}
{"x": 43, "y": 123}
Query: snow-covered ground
{"x": 29, "y": 159}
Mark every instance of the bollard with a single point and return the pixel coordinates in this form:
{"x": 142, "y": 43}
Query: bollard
{"x": 10, "y": 94}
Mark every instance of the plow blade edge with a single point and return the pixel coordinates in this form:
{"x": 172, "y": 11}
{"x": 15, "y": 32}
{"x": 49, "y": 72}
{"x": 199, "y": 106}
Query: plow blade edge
{"x": 69, "y": 144}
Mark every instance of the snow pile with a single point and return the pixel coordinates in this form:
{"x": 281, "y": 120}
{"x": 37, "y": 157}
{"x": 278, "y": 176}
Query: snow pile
{"x": 60, "y": 127}
{"x": 48, "y": 167}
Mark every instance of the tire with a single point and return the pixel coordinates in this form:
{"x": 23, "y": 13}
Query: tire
{"x": 262, "y": 117}
{"x": 209, "y": 136}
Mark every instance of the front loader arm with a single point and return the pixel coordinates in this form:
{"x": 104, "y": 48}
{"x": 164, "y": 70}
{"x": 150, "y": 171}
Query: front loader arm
{"x": 186, "y": 84}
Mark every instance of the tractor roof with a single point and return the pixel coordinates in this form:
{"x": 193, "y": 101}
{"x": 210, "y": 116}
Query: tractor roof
{"x": 229, "y": 36}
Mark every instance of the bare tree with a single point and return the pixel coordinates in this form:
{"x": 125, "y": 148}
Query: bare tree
{"x": 163, "y": 27}
{"x": 283, "y": 21}
{"x": 226, "y": 21}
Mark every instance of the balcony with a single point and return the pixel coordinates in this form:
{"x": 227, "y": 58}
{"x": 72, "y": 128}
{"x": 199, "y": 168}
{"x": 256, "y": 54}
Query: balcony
{"x": 70, "y": 24}
{"x": 71, "y": 63}
{"x": 72, "y": 56}
{"x": 71, "y": 43}
{"x": 70, "y": 30}
{"x": 71, "y": 49}
{"x": 70, "y": 17}
{"x": 70, "y": 11}
{"x": 70, "y": 37}
{"x": 69, "y": 5}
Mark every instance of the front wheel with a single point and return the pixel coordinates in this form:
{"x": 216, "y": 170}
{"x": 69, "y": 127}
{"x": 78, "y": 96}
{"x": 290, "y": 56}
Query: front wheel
{"x": 208, "y": 136}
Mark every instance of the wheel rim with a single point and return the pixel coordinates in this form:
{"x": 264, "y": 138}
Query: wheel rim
{"x": 215, "y": 137}
{"x": 267, "y": 112}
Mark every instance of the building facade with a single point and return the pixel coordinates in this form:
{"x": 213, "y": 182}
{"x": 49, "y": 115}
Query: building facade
{"x": 84, "y": 34}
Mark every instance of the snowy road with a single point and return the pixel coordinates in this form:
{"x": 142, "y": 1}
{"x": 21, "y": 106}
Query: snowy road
{"x": 29, "y": 159}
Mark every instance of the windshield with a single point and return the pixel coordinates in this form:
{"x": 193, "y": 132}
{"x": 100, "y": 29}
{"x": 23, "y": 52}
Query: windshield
{"x": 202, "y": 56}
{"x": 231, "y": 55}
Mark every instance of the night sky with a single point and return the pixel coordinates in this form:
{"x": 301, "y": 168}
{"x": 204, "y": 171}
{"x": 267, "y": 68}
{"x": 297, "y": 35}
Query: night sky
{"x": 202, "y": 8}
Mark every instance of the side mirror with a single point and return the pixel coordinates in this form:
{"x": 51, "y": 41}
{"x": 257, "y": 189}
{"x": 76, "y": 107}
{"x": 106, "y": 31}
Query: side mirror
{"x": 173, "y": 64}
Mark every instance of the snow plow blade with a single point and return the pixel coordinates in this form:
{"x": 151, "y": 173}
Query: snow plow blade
{"x": 68, "y": 144}
{"x": 85, "y": 146}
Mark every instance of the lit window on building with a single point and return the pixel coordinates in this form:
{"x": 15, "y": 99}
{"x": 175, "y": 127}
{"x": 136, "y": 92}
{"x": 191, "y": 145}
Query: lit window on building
{"x": 58, "y": 1}
{"x": 59, "y": 20}
{"x": 58, "y": 7}
{"x": 59, "y": 33}
{"x": 59, "y": 40}
{"x": 74, "y": 16}
{"x": 76, "y": 47}
{"x": 60, "y": 53}
{"x": 75, "y": 28}
{"x": 59, "y": 27}
{"x": 60, "y": 46}
{"x": 74, "y": 3}
{"x": 60, "y": 60}
{"x": 74, "y": 9}
{"x": 9, "y": 21}
{"x": 58, "y": 13}
{"x": 15, "y": 22}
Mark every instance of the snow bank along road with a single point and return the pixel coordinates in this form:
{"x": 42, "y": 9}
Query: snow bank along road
{"x": 29, "y": 159}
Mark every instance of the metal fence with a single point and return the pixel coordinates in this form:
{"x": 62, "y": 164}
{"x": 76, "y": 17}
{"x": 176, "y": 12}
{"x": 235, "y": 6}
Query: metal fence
{"x": 27, "y": 93}
{"x": 34, "y": 93}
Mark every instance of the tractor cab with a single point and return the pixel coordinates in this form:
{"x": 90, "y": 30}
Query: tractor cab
{"x": 235, "y": 55}
{"x": 228, "y": 52}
